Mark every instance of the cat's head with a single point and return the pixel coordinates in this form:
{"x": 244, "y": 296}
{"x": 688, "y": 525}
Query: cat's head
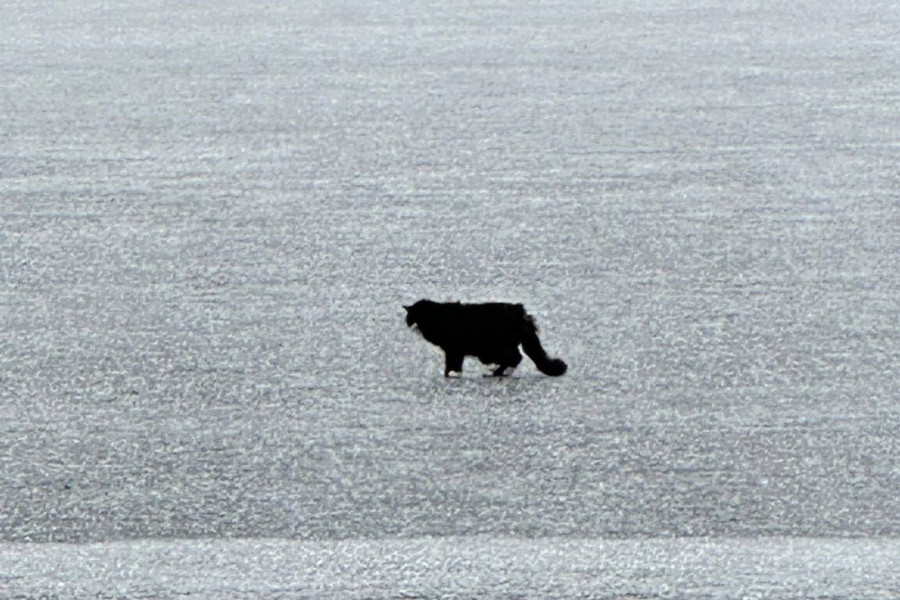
{"x": 414, "y": 312}
{"x": 411, "y": 315}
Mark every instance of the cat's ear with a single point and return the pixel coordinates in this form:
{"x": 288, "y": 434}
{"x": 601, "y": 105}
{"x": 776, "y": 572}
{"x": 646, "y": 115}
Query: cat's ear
{"x": 407, "y": 307}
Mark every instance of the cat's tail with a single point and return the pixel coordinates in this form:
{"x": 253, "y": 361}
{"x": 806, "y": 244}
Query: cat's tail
{"x": 532, "y": 347}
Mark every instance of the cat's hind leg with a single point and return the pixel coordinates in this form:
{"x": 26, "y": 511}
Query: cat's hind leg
{"x": 490, "y": 363}
{"x": 453, "y": 363}
{"x": 508, "y": 363}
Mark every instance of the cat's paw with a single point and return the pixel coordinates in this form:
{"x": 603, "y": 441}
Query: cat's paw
{"x": 453, "y": 375}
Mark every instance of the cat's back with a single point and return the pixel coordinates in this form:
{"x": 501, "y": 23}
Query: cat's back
{"x": 463, "y": 319}
{"x": 492, "y": 311}
{"x": 490, "y": 319}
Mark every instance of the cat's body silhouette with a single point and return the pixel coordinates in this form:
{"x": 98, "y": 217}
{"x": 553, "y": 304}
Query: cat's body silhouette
{"x": 491, "y": 332}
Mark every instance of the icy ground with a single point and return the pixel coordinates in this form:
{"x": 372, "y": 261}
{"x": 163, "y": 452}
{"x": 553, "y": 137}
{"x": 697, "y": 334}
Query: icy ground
{"x": 451, "y": 567}
{"x": 211, "y": 213}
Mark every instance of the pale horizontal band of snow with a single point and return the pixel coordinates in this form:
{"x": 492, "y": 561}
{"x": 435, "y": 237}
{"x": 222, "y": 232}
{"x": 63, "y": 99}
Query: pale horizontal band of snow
{"x": 479, "y": 566}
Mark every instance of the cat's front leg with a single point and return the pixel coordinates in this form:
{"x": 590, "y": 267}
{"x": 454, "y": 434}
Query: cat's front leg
{"x": 453, "y": 364}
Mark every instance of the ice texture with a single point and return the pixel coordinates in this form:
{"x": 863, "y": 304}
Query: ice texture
{"x": 211, "y": 214}
{"x": 469, "y": 567}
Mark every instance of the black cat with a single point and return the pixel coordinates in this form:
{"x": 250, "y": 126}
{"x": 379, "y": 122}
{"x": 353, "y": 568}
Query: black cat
{"x": 490, "y": 332}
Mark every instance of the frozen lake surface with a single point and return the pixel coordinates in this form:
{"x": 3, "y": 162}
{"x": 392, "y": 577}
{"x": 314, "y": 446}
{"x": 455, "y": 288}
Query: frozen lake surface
{"x": 211, "y": 215}
{"x": 452, "y": 567}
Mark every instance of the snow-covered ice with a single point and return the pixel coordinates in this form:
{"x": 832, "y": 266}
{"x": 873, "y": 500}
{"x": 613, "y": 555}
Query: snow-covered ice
{"x": 211, "y": 215}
